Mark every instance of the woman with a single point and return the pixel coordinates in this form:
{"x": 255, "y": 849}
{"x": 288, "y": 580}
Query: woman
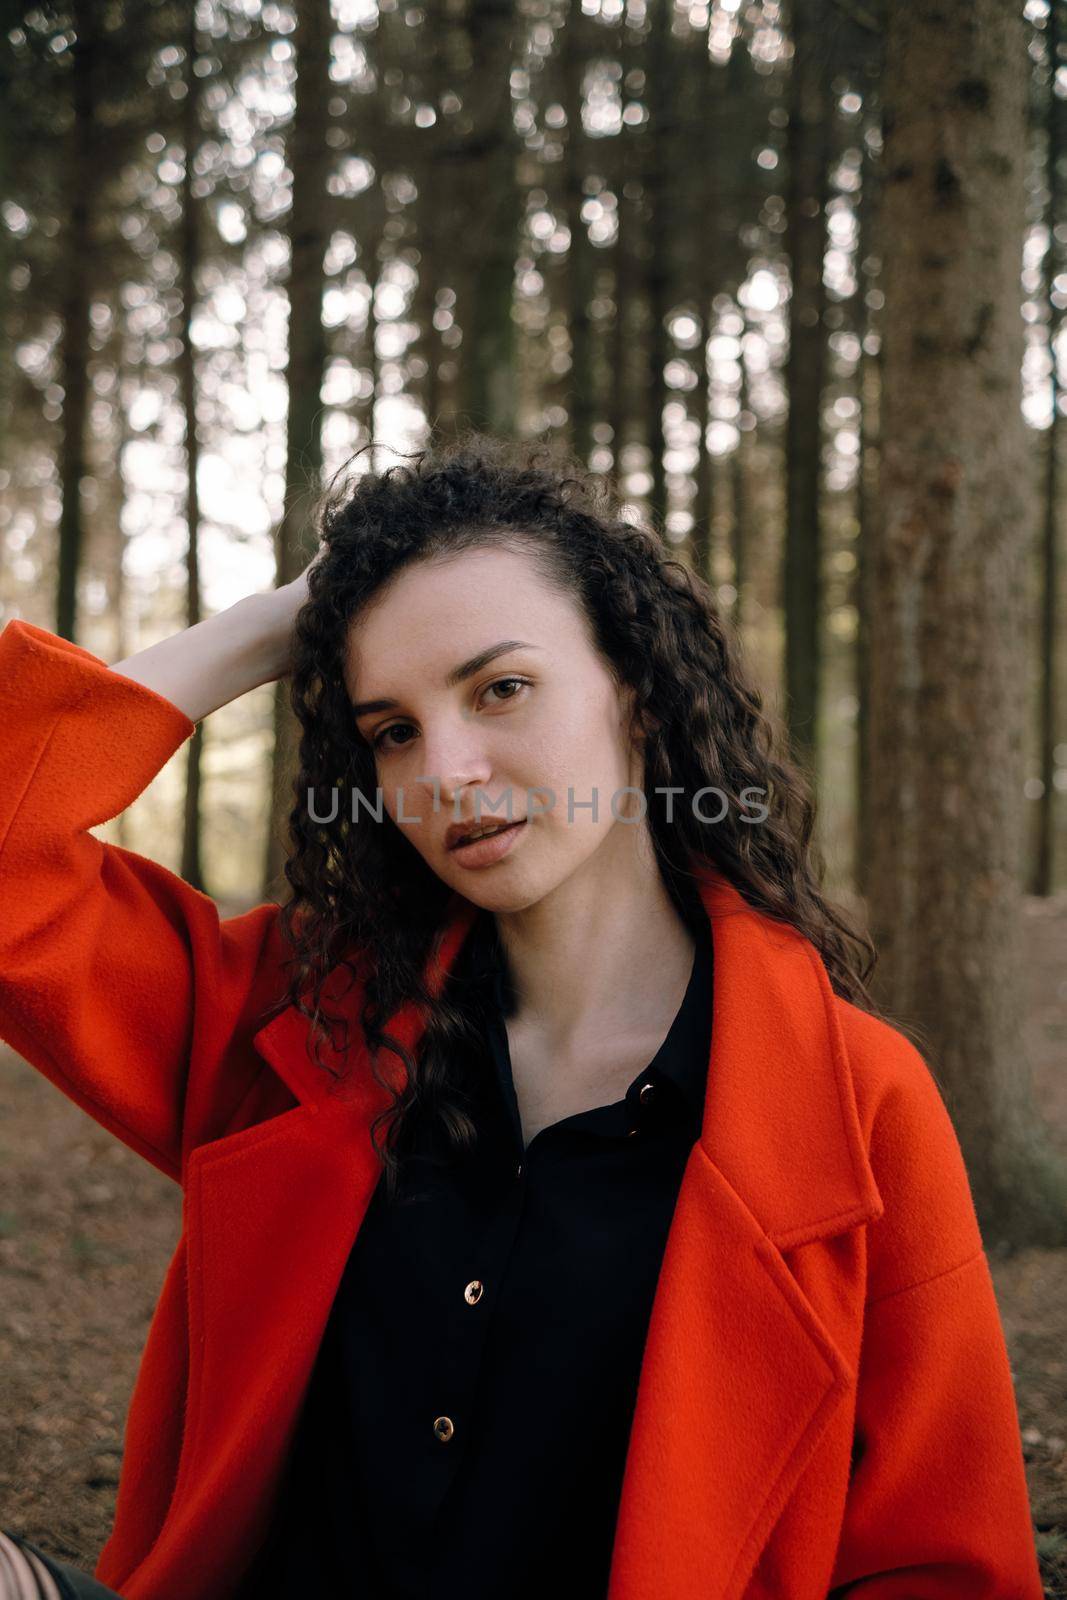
{"x": 673, "y": 1286}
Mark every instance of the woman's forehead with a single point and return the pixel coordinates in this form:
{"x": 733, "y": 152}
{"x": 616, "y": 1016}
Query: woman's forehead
{"x": 430, "y": 628}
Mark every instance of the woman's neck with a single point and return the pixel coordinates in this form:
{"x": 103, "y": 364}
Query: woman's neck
{"x": 605, "y": 949}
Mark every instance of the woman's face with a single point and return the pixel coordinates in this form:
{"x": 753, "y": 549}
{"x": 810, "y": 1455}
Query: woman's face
{"x": 499, "y": 705}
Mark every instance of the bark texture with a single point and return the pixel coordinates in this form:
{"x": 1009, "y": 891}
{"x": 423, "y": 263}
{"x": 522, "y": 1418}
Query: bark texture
{"x": 953, "y": 531}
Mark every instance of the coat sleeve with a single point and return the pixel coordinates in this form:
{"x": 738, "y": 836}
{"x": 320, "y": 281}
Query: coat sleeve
{"x": 937, "y": 1505}
{"x": 118, "y": 980}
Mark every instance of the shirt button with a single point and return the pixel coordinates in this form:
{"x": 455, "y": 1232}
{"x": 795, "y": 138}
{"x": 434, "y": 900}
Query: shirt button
{"x": 633, "y": 1131}
{"x": 443, "y": 1428}
{"x": 473, "y": 1292}
{"x": 518, "y": 1170}
{"x": 648, "y": 1091}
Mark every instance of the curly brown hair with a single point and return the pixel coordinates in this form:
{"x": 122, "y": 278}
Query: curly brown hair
{"x": 364, "y": 899}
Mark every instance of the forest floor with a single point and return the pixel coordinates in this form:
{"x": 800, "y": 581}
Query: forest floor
{"x": 87, "y": 1229}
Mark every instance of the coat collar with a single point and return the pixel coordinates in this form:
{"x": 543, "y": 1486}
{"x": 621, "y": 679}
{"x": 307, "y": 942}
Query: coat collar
{"x": 778, "y": 1064}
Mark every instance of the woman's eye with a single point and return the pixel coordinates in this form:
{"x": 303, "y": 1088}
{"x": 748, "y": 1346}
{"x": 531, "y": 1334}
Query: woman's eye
{"x": 499, "y": 683}
{"x": 380, "y": 738}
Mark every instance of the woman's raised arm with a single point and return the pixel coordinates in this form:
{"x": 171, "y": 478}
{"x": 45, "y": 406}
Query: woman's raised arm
{"x": 207, "y": 666}
{"x": 118, "y": 980}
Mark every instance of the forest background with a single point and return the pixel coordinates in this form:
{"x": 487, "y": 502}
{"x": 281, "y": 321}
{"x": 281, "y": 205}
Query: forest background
{"x": 791, "y": 276}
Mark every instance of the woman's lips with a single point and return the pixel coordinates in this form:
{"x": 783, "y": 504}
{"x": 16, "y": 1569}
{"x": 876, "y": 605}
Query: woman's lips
{"x": 483, "y": 852}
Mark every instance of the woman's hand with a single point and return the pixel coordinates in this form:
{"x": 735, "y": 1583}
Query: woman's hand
{"x": 295, "y": 593}
{"x": 281, "y": 605}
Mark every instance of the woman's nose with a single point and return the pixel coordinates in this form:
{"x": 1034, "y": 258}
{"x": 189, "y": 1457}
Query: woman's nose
{"x": 454, "y": 761}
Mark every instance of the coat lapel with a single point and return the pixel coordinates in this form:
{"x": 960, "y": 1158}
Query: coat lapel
{"x": 739, "y": 1377}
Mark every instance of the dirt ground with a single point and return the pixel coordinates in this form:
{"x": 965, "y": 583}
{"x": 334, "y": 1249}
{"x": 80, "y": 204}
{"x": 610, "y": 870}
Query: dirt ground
{"x": 87, "y": 1229}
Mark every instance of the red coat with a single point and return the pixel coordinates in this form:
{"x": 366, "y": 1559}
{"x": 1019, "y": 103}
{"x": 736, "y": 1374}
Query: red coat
{"x": 825, "y": 1401}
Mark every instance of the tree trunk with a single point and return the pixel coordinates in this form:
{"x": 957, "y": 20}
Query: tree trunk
{"x": 367, "y": 410}
{"x": 581, "y": 398}
{"x": 620, "y": 390}
{"x": 727, "y": 94}
{"x": 953, "y": 536}
{"x": 659, "y": 212}
{"x": 78, "y": 243}
{"x": 308, "y": 158}
{"x": 490, "y": 202}
{"x": 112, "y": 505}
{"x": 1044, "y": 867}
{"x": 809, "y": 147}
{"x": 868, "y": 386}
{"x": 191, "y": 865}
{"x": 741, "y": 533}
{"x": 713, "y": 100}
{"x": 431, "y": 226}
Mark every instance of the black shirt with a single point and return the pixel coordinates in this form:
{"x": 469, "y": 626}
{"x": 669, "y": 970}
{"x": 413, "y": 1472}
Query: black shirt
{"x": 466, "y": 1425}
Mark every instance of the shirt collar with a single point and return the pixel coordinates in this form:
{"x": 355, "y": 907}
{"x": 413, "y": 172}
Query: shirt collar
{"x": 683, "y": 1055}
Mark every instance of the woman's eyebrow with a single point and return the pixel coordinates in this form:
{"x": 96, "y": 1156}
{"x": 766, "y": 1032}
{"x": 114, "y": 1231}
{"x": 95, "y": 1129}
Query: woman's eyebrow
{"x": 466, "y": 669}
